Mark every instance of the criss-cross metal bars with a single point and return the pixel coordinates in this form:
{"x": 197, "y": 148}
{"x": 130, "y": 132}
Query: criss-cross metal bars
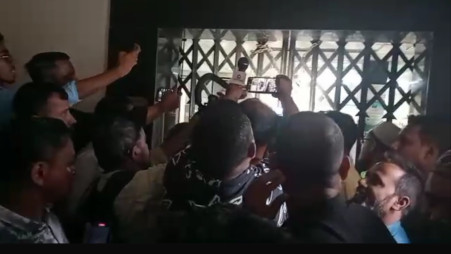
{"x": 338, "y": 58}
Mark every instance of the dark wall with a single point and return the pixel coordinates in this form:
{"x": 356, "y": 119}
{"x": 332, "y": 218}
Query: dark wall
{"x": 139, "y": 19}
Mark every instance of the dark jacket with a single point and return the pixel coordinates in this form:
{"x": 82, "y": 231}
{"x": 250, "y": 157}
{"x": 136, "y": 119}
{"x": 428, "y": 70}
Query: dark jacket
{"x": 188, "y": 187}
{"x": 337, "y": 222}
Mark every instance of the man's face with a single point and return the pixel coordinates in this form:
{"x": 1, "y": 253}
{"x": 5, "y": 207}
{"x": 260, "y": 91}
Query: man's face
{"x": 59, "y": 109}
{"x": 57, "y": 182}
{"x": 64, "y": 72}
{"x": 141, "y": 153}
{"x": 381, "y": 182}
{"x": 7, "y": 68}
{"x": 411, "y": 147}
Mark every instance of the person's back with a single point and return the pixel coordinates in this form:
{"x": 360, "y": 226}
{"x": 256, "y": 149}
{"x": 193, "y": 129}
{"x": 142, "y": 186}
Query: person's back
{"x": 216, "y": 168}
{"x": 309, "y": 152}
{"x": 221, "y": 223}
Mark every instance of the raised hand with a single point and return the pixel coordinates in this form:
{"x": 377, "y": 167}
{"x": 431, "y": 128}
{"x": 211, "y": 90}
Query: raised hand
{"x": 170, "y": 101}
{"x": 284, "y": 86}
{"x": 128, "y": 60}
{"x": 235, "y": 92}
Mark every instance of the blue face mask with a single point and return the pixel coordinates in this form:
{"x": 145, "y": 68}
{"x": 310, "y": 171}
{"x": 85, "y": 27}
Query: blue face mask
{"x": 72, "y": 92}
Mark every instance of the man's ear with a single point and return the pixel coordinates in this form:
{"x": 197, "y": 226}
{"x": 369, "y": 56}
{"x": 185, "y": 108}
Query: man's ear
{"x": 344, "y": 167}
{"x": 136, "y": 153}
{"x": 432, "y": 152}
{"x": 252, "y": 150}
{"x": 402, "y": 203}
{"x": 39, "y": 171}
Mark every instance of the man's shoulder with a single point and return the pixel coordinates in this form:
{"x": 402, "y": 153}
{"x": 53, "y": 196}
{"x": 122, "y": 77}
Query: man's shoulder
{"x": 11, "y": 234}
{"x": 361, "y": 218}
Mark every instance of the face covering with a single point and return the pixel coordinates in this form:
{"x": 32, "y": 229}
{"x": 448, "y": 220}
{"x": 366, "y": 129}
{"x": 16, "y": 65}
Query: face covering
{"x": 72, "y": 92}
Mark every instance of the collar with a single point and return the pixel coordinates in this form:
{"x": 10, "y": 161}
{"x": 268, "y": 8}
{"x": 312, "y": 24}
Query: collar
{"x": 22, "y": 223}
{"x": 394, "y": 226}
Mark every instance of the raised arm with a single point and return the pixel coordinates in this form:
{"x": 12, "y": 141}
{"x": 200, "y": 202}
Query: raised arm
{"x": 126, "y": 62}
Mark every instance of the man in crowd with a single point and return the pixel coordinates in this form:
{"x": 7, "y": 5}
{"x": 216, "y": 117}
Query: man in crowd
{"x": 43, "y": 100}
{"x": 423, "y": 141}
{"x": 438, "y": 190}
{"x": 37, "y": 158}
{"x": 56, "y": 67}
{"x": 7, "y": 78}
{"x": 435, "y": 225}
{"x": 394, "y": 188}
{"x": 348, "y": 173}
{"x": 309, "y": 153}
{"x": 128, "y": 186}
{"x": 216, "y": 168}
{"x": 377, "y": 142}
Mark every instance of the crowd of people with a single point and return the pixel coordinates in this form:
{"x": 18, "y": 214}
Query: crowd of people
{"x": 236, "y": 172}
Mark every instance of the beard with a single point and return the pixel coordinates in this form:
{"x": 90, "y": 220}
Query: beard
{"x": 378, "y": 207}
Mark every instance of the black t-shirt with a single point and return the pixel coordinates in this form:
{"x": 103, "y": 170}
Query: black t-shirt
{"x": 187, "y": 187}
{"x": 337, "y": 222}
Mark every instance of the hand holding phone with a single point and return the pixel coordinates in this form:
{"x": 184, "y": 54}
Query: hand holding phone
{"x": 169, "y": 98}
{"x": 263, "y": 85}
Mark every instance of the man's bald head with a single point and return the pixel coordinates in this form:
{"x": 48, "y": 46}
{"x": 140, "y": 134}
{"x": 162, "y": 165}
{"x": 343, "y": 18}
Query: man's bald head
{"x": 309, "y": 149}
{"x": 263, "y": 120}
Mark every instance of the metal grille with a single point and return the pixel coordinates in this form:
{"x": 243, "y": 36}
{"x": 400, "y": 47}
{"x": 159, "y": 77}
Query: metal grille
{"x": 373, "y": 76}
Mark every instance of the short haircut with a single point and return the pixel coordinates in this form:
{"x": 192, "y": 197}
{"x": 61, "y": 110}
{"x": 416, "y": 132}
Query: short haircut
{"x": 411, "y": 183}
{"x": 2, "y": 38}
{"x": 40, "y": 66}
{"x": 119, "y": 106}
{"x": 32, "y": 98}
{"x": 263, "y": 119}
{"x": 309, "y": 148}
{"x": 347, "y": 126}
{"x": 27, "y": 142}
{"x": 224, "y": 223}
{"x": 113, "y": 142}
{"x": 221, "y": 138}
{"x": 433, "y": 129}
{"x": 175, "y": 130}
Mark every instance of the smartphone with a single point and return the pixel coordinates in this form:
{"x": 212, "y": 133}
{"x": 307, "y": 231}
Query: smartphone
{"x": 97, "y": 233}
{"x": 263, "y": 85}
{"x": 161, "y": 92}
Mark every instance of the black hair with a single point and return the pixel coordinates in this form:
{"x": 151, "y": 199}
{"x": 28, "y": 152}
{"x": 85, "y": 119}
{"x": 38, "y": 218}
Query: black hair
{"x": 28, "y": 141}
{"x": 433, "y": 129}
{"x": 411, "y": 184}
{"x": 222, "y": 223}
{"x": 113, "y": 142}
{"x": 40, "y": 66}
{"x": 175, "y": 130}
{"x": 2, "y": 38}
{"x": 347, "y": 126}
{"x": 119, "y": 106}
{"x": 263, "y": 119}
{"x": 32, "y": 98}
{"x": 221, "y": 138}
{"x": 309, "y": 148}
